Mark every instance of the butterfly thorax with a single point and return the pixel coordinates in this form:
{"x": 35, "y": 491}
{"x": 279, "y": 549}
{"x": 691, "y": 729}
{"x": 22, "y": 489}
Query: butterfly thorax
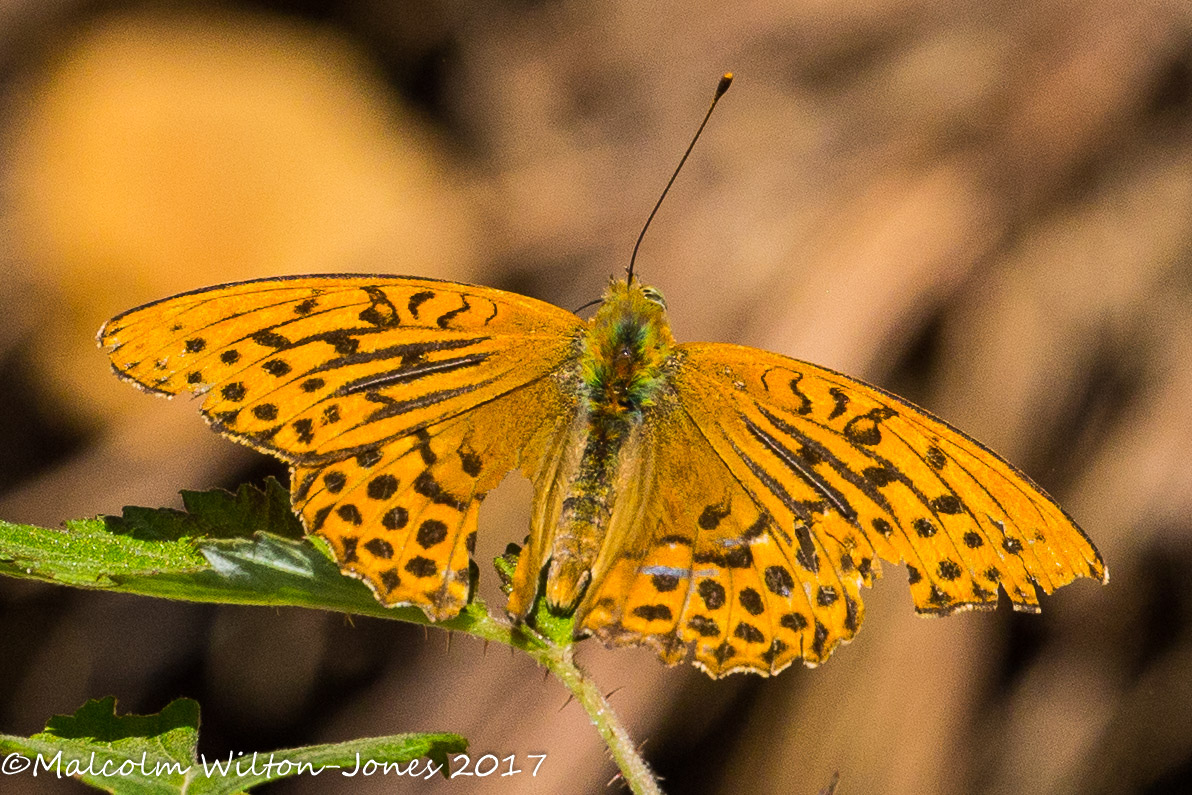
{"x": 625, "y": 348}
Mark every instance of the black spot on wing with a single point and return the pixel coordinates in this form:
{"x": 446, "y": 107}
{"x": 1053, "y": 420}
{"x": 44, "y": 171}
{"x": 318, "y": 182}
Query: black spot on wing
{"x": 304, "y": 429}
{"x": 712, "y": 515}
{"x": 381, "y": 312}
{"x": 880, "y": 475}
{"x": 664, "y": 582}
{"x": 444, "y": 320}
{"x": 804, "y": 407}
{"x": 840, "y": 400}
{"x": 806, "y": 554}
{"x": 470, "y": 462}
{"x": 379, "y": 547}
{"x": 368, "y": 458}
{"x": 947, "y": 504}
{"x": 233, "y": 392}
{"x": 748, "y": 633}
{"x": 751, "y": 600}
{"x": 653, "y": 612}
{"x": 270, "y": 339}
{"x": 334, "y": 481}
{"x": 421, "y": 567}
{"x": 712, "y": 594}
{"x": 276, "y": 367}
{"x": 426, "y": 485}
{"x": 418, "y": 299}
{"x": 821, "y": 637}
{"x": 382, "y": 487}
{"x": 779, "y": 580}
{"x": 395, "y": 518}
{"x": 390, "y": 579}
{"x": 948, "y": 569}
{"x": 706, "y": 627}
{"x": 865, "y": 429}
{"x": 431, "y": 533}
{"x": 739, "y": 557}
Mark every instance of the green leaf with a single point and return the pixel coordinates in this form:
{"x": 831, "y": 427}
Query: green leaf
{"x": 267, "y": 570}
{"x": 152, "y": 754}
{"x": 144, "y": 541}
{"x": 164, "y": 553}
{"x": 84, "y": 553}
{"x": 214, "y": 514}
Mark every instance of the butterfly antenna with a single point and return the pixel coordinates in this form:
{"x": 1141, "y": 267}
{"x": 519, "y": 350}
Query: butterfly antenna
{"x": 725, "y": 82}
{"x": 593, "y": 302}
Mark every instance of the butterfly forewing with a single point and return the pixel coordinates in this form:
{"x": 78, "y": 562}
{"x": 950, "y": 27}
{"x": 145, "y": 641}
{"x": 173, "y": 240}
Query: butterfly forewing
{"x": 880, "y": 476}
{"x": 315, "y": 367}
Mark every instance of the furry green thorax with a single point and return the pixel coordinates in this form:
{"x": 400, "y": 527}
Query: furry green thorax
{"x": 624, "y": 349}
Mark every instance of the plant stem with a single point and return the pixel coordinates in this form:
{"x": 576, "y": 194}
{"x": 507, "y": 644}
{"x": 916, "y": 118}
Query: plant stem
{"x": 636, "y": 772}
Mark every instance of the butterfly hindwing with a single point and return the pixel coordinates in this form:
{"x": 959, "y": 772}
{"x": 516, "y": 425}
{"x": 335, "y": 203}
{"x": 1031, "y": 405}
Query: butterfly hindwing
{"x": 709, "y": 568}
{"x": 403, "y": 516}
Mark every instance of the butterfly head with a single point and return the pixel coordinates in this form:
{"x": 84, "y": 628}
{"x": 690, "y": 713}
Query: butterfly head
{"x": 626, "y": 344}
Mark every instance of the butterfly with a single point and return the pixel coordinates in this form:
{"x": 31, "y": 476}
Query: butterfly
{"x": 710, "y": 501}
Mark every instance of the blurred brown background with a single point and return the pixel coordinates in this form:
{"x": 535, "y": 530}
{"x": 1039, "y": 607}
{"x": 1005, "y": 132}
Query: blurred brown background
{"x": 986, "y": 207}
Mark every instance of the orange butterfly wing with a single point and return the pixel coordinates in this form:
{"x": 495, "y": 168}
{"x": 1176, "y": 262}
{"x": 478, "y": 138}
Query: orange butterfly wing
{"x": 778, "y": 485}
{"x": 399, "y": 402}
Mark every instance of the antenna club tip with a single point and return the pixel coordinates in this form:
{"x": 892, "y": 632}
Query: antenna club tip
{"x": 725, "y": 82}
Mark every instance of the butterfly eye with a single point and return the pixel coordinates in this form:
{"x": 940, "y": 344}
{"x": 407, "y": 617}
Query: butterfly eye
{"x": 652, "y": 294}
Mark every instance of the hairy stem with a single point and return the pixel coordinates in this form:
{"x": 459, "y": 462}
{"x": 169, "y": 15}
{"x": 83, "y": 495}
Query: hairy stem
{"x": 637, "y": 774}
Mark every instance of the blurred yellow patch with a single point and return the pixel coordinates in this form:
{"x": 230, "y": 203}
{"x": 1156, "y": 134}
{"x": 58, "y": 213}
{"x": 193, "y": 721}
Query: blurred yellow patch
{"x": 163, "y": 153}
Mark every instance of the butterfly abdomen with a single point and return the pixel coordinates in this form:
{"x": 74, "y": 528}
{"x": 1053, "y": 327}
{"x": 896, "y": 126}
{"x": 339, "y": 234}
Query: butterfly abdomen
{"x": 585, "y": 511}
